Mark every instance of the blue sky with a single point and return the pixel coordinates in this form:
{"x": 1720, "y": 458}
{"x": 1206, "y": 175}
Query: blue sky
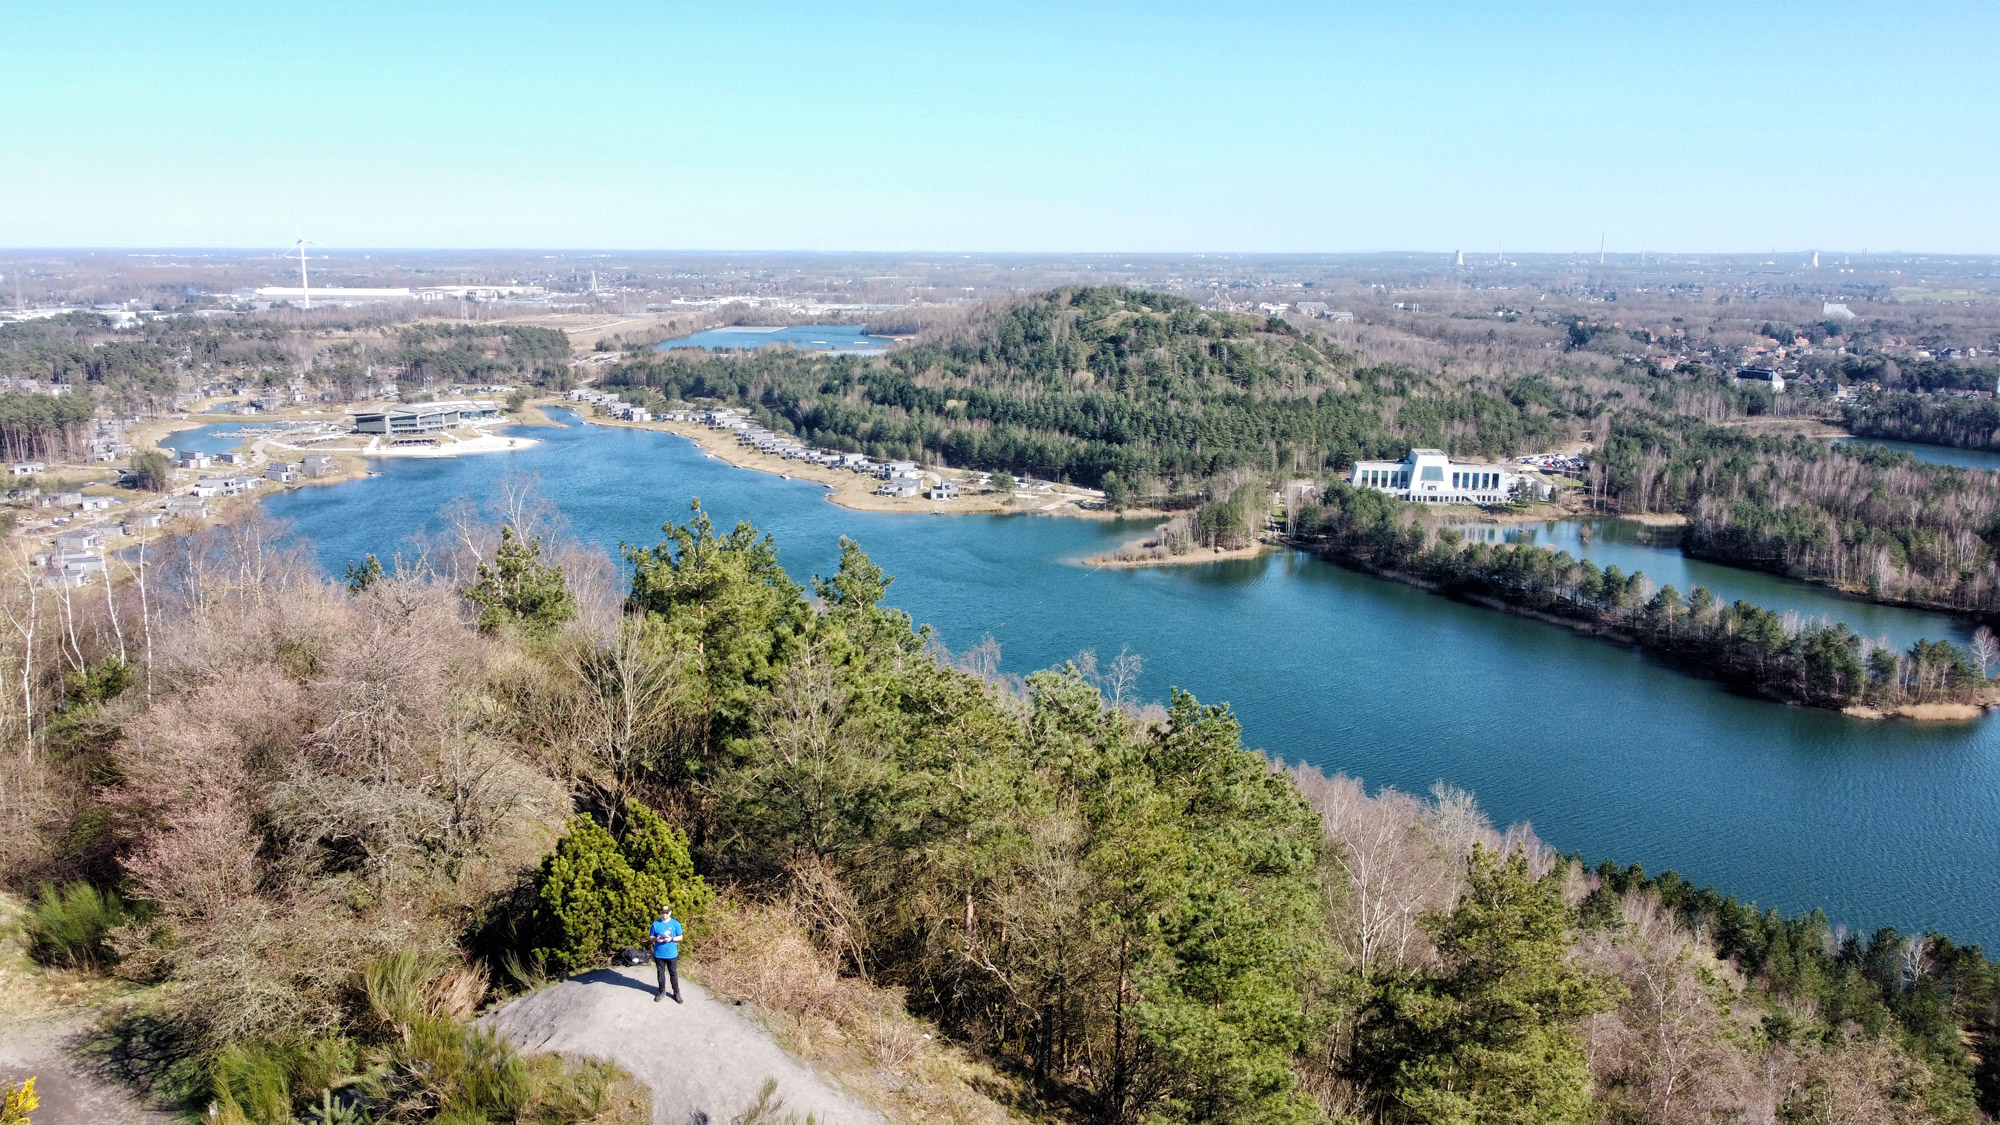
{"x": 1004, "y": 127}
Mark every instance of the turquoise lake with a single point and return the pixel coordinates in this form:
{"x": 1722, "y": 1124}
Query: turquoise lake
{"x": 1605, "y": 751}
{"x": 843, "y": 338}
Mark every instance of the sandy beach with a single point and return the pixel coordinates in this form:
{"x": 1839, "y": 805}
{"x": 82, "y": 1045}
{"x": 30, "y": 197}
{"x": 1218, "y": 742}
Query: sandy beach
{"x": 1920, "y": 712}
{"x": 1193, "y": 558}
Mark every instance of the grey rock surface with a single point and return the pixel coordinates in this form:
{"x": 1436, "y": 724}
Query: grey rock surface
{"x": 704, "y": 1060}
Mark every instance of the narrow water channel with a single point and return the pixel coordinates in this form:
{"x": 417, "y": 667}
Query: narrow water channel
{"x": 1655, "y": 551}
{"x": 1935, "y": 454}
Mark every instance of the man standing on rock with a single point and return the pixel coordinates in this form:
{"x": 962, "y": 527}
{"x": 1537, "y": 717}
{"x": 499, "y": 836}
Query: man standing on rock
{"x": 667, "y": 953}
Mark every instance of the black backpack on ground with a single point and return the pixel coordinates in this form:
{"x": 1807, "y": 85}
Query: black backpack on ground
{"x": 630, "y": 957}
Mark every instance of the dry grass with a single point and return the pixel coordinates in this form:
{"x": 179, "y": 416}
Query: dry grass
{"x": 861, "y": 1034}
{"x": 1941, "y": 712}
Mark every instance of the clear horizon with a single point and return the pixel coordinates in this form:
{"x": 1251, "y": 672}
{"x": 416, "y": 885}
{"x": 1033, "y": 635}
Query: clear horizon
{"x": 1709, "y": 130}
{"x": 1472, "y": 257}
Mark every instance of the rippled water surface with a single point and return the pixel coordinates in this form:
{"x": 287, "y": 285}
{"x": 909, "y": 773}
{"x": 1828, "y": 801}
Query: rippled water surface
{"x": 1605, "y": 751}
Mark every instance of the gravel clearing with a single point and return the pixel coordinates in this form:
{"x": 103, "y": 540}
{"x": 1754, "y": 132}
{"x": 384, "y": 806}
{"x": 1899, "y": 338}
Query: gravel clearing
{"x": 75, "y": 1090}
{"x": 704, "y": 1060}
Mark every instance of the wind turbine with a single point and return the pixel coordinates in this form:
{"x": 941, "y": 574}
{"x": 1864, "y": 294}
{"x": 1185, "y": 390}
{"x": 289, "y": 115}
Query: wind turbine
{"x": 300, "y": 245}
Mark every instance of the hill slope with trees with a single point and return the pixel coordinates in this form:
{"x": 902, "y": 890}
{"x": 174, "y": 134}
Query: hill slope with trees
{"x": 1079, "y": 384}
{"x": 314, "y": 827}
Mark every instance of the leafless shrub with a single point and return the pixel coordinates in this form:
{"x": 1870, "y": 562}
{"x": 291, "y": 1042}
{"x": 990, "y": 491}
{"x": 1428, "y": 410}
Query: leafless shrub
{"x": 1401, "y": 858}
{"x": 1669, "y": 1052}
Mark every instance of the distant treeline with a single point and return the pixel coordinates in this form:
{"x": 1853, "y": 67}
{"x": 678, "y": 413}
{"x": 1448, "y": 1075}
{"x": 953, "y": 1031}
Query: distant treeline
{"x": 1818, "y": 664}
{"x": 1855, "y": 517}
{"x": 482, "y": 353}
{"x": 39, "y": 427}
{"x": 133, "y": 374}
{"x": 1965, "y": 423}
{"x": 1914, "y": 374}
{"x": 1080, "y": 383}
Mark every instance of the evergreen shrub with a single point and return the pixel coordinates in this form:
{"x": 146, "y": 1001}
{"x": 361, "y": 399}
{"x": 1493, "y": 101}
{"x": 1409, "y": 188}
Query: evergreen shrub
{"x": 597, "y": 893}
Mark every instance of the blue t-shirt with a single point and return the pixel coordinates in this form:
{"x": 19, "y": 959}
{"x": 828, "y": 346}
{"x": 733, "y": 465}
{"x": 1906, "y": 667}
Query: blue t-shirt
{"x": 667, "y": 938}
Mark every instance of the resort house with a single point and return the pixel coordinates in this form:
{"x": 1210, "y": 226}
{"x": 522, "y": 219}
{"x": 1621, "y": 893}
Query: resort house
{"x": 1429, "y": 477}
{"x": 425, "y": 417}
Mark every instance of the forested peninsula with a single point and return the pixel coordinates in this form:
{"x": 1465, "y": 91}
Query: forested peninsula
{"x": 1153, "y": 398}
{"x": 314, "y": 827}
{"x": 1965, "y": 423}
{"x": 1161, "y": 402}
{"x": 1820, "y": 664}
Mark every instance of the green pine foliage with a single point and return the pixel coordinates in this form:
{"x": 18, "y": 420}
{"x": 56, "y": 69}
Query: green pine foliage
{"x": 43, "y": 426}
{"x": 362, "y": 576}
{"x": 519, "y": 590}
{"x": 726, "y": 598}
{"x": 1491, "y": 1034}
{"x": 1129, "y": 913}
{"x": 597, "y": 893}
{"x": 481, "y": 353}
{"x": 655, "y": 849}
{"x": 152, "y": 470}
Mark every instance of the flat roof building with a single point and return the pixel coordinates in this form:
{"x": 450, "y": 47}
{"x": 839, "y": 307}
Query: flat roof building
{"x": 1428, "y": 476}
{"x": 425, "y": 417}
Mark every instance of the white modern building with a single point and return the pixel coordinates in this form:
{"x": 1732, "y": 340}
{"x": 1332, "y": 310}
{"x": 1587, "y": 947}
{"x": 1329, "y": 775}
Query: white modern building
{"x": 424, "y": 417}
{"x": 1427, "y": 476}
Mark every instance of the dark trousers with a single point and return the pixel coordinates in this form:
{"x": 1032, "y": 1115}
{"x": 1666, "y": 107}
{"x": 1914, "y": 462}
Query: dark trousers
{"x": 666, "y": 968}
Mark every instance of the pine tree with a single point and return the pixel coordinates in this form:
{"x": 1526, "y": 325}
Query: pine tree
{"x": 520, "y": 589}
{"x": 1490, "y": 1036}
{"x": 598, "y": 893}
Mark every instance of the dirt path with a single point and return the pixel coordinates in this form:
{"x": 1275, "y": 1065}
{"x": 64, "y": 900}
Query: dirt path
{"x": 74, "y": 1089}
{"x": 704, "y": 1060}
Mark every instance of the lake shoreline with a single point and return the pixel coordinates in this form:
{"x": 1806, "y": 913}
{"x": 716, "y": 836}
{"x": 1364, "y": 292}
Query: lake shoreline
{"x": 856, "y": 492}
{"x": 1948, "y": 711}
{"x": 1196, "y": 557}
